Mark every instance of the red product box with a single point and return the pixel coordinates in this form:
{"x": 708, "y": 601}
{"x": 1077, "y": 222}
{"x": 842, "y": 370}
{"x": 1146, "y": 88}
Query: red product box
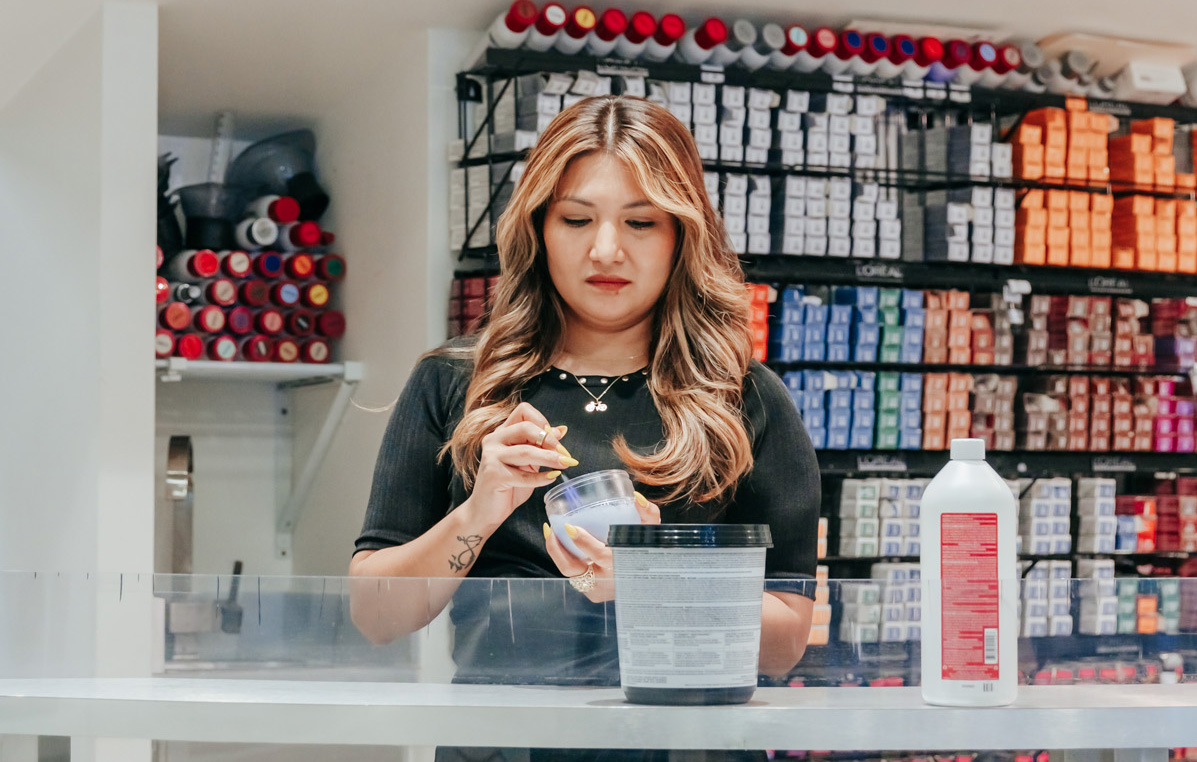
{"x": 1099, "y": 442}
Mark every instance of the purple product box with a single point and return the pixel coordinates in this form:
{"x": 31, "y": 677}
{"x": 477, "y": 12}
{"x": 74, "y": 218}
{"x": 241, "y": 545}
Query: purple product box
{"x": 911, "y": 355}
{"x": 840, "y": 418}
{"x": 912, "y": 298}
{"x": 863, "y": 399}
{"x": 814, "y": 352}
{"x": 786, "y": 352}
{"x": 867, "y": 333}
{"x": 1184, "y": 407}
{"x": 815, "y": 313}
{"x": 814, "y": 333}
{"x": 839, "y": 399}
{"x": 910, "y": 439}
{"x": 813, "y": 380}
{"x": 841, "y": 314}
{"x": 910, "y": 419}
{"x": 793, "y": 380}
{"x": 818, "y": 437}
{"x": 912, "y": 337}
{"x": 812, "y": 399}
{"x": 864, "y": 353}
{"x": 793, "y": 335}
{"x": 837, "y": 439}
{"x": 838, "y": 333}
{"x": 838, "y": 353}
{"x": 914, "y": 318}
{"x": 867, "y": 315}
{"x": 861, "y": 439}
{"x": 815, "y": 417}
{"x": 864, "y": 419}
{"x": 791, "y": 314}
{"x": 866, "y": 296}
{"x": 911, "y": 402}
{"x": 911, "y": 382}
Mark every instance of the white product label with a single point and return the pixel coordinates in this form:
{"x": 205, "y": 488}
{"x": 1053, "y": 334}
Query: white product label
{"x": 688, "y": 617}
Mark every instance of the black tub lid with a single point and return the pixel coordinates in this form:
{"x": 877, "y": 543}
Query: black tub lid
{"x": 689, "y": 536}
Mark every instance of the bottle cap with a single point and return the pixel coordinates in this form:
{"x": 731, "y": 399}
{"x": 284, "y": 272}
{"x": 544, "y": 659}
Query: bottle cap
{"x": 315, "y": 350}
{"x": 742, "y": 34}
{"x": 796, "y": 40}
{"x": 968, "y": 449}
{"x": 611, "y": 24}
{"x": 984, "y": 56}
{"x": 773, "y": 37}
{"x": 851, "y": 44}
{"x": 270, "y": 322}
{"x": 301, "y": 323}
{"x": 204, "y": 263}
{"x": 223, "y": 348}
{"x": 710, "y": 33}
{"x": 930, "y": 50}
{"x": 822, "y": 42}
{"x": 315, "y": 295}
{"x": 255, "y": 293}
{"x": 190, "y": 346}
{"x": 331, "y": 324}
{"x": 580, "y": 23}
{"x": 257, "y": 348}
{"x": 240, "y": 320}
{"x": 876, "y": 47}
{"x": 1032, "y": 57}
{"x": 285, "y": 294}
{"x": 163, "y": 292}
{"x": 520, "y": 16}
{"x": 161, "y": 257}
{"x": 902, "y": 48}
{"x": 268, "y": 264}
{"x": 300, "y": 266}
{"x": 641, "y": 27}
{"x": 305, "y": 234}
{"x": 670, "y": 29}
{"x": 552, "y": 18}
{"x": 176, "y": 316}
{"x": 262, "y": 231}
{"x": 210, "y": 319}
{"x": 956, "y": 53}
{"x": 164, "y": 343}
{"x": 222, "y": 291}
{"x": 286, "y": 350}
{"x": 1008, "y": 59}
{"x": 1074, "y": 63}
{"x": 236, "y": 264}
{"x": 330, "y": 267}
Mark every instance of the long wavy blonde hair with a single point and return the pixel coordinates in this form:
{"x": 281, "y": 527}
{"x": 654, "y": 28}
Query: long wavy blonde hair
{"x": 700, "y": 346}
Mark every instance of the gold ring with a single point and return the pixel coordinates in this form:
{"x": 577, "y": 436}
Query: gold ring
{"x": 584, "y": 582}
{"x": 544, "y": 434}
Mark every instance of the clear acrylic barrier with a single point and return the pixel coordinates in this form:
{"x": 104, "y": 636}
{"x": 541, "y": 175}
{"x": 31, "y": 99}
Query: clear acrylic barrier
{"x": 538, "y": 632}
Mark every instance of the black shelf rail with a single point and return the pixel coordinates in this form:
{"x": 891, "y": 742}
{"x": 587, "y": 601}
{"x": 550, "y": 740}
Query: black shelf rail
{"x": 1005, "y": 370}
{"x": 1009, "y": 463}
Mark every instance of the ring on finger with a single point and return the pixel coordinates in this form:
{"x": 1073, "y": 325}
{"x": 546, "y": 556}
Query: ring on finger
{"x": 584, "y": 582}
{"x": 544, "y": 433}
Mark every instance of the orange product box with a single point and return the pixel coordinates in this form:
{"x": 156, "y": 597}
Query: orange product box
{"x": 1186, "y": 180}
{"x": 1132, "y": 163}
{"x": 1101, "y": 255}
{"x": 960, "y": 355}
{"x": 1075, "y": 106}
{"x": 1138, "y": 205}
{"x": 1080, "y": 256}
{"x": 935, "y": 403}
{"x": 1166, "y": 243}
{"x": 936, "y": 319}
{"x": 1166, "y": 261}
{"x": 1030, "y": 218}
{"x": 1146, "y": 259}
{"x": 1157, "y": 127}
{"x": 1079, "y": 218}
{"x": 1099, "y": 173}
{"x": 1030, "y": 253}
{"x": 1046, "y": 116}
{"x": 1186, "y": 209}
{"x": 1148, "y": 625}
{"x": 1079, "y": 237}
{"x": 1123, "y": 257}
{"x": 1028, "y": 134}
{"x": 1164, "y": 165}
{"x": 1058, "y": 255}
{"x": 1100, "y": 238}
{"x": 1032, "y": 199}
{"x": 1028, "y": 168}
{"x": 1053, "y": 172}
{"x": 983, "y": 356}
{"x": 959, "y": 339}
{"x": 935, "y": 383}
{"x": 1058, "y": 236}
{"x": 1165, "y": 181}
{"x": 1056, "y": 218}
{"x": 1077, "y": 166}
{"x": 959, "y": 419}
{"x": 937, "y": 421}
{"x": 959, "y": 382}
{"x": 1055, "y": 136}
{"x": 935, "y": 355}
{"x": 1165, "y": 226}
{"x": 1078, "y": 201}
{"x": 1101, "y": 220}
{"x": 1054, "y": 156}
{"x": 1186, "y": 262}
{"x": 1186, "y": 243}
{"x": 1101, "y": 202}
{"x": 1130, "y": 144}
{"x": 1162, "y": 146}
{"x": 1099, "y": 157}
{"x": 957, "y": 300}
{"x": 933, "y": 440}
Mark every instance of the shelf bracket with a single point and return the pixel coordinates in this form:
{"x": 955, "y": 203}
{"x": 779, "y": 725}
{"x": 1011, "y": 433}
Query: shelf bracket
{"x": 292, "y": 506}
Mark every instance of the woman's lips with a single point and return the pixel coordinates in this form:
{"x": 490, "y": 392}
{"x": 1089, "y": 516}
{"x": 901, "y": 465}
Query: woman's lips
{"x": 607, "y": 284}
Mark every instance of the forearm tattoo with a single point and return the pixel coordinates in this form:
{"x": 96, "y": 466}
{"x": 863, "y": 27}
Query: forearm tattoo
{"x": 465, "y": 558}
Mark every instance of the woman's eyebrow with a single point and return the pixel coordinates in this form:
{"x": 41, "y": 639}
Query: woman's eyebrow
{"x": 584, "y": 202}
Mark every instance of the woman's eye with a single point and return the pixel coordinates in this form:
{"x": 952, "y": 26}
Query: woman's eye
{"x": 575, "y": 222}
{"x": 641, "y": 224}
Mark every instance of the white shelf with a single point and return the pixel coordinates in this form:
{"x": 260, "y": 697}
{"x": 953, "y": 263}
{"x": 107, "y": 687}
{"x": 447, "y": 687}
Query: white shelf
{"x": 180, "y": 369}
{"x": 306, "y": 712}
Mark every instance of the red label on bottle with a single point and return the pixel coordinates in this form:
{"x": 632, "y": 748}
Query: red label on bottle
{"x": 971, "y": 596}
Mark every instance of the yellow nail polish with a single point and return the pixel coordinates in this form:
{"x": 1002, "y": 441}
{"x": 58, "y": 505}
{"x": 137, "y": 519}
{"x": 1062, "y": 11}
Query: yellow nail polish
{"x": 641, "y": 500}
{"x": 550, "y": 475}
{"x": 547, "y": 531}
{"x": 571, "y": 530}
{"x": 561, "y": 449}
{"x": 561, "y": 430}
{"x": 567, "y": 461}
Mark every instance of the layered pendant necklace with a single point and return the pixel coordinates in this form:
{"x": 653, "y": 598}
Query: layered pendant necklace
{"x": 596, "y": 404}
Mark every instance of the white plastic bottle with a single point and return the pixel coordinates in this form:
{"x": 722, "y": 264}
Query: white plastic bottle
{"x": 968, "y": 524}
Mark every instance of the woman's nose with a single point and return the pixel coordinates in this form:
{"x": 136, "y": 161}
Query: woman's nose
{"x": 606, "y": 244}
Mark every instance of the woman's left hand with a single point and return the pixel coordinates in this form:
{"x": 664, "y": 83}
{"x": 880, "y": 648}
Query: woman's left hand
{"x": 597, "y": 550}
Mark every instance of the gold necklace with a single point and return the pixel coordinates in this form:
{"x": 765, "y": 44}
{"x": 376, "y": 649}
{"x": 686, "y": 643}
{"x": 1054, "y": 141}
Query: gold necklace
{"x": 596, "y": 404}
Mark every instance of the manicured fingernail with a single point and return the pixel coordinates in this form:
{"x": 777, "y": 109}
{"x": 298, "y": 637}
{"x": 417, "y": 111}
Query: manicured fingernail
{"x": 571, "y": 530}
{"x": 567, "y": 461}
{"x": 641, "y": 500}
{"x": 561, "y": 449}
{"x": 548, "y": 430}
{"x": 547, "y": 531}
{"x": 550, "y": 475}
{"x": 561, "y": 430}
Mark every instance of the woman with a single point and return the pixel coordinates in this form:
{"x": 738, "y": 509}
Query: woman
{"x": 618, "y": 338}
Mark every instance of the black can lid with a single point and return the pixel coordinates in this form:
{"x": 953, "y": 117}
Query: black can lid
{"x": 690, "y": 536}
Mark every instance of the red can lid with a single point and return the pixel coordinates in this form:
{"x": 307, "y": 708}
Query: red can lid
{"x": 305, "y": 234}
{"x": 930, "y": 50}
{"x": 710, "y": 33}
{"x": 520, "y": 16}
{"x": 327, "y": 238}
{"x": 1008, "y": 59}
{"x": 176, "y": 316}
{"x": 851, "y": 44}
{"x": 315, "y": 350}
{"x": 581, "y": 22}
{"x": 330, "y": 267}
{"x": 611, "y": 24}
{"x": 876, "y": 47}
{"x": 796, "y": 40}
{"x": 240, "y": 320}
{"x": 210, "y": 319}
{"x": 331, "y": 324}
{"x": 641, "y": 27}
{"x": 268, "y": 264}
{"x": 222, "y": 291}
{"x": 283, "y": 209}
{"x": 190, "y": 346}
{"x": 236, "y": 264}
{"x": 984, "y": 56}
{"x": 286, "y": 351}
{"x": 670, "y": 29}
{"x": 222, "y": 348}
{"x": 315, "y": 295}
{"x": 552, "y": 18}
{"x": 257, "y": 348}
{"x": 956, "y": 53}
{"x": 301, "y": 323}
{"x": 285, "y": 294}
{"x": 161, "y": 257}
{"x": 300, "y": 266}
{"x": 901, "y": 48}
{"x": 204, "y": 263}
{"x": 270, "y": 321}
{"x": 255, "y": 293}
{"x": 163, "y": 292}
{"x": 823, "y": 41}
{"x": 164, "y": 343}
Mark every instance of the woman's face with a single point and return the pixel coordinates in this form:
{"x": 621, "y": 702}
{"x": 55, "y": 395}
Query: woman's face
{"x": 610, "y": 252}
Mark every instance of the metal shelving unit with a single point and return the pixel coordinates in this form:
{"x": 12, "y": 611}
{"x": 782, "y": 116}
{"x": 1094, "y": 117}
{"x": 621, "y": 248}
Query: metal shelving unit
{"x": 900, "y": 463}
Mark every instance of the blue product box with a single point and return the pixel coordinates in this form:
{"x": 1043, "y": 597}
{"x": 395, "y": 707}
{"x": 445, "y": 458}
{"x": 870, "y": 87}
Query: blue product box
{"x": 911, "y": 355}
{"x": 788, "y": 334}
{"x": 791, "y": 314}
{"x": 914, "y": 318}
{"x": 792, "y": 295}
{"x": 911, "y": 402}
{"x": 815, "y": 313}
{"x": 867, "y": 333}
{"x": 818, "y": 437}
{"x": 785, "y": 352}
{"x": 814, "y": 333}
{"x": 911, "y": 298}
{"x": 839, "y": 399}
{"x": 814, "y": 380}
{"x": 841, "y": 314}
{"x": 860, "y": 439}
{"x": 815, "y": 417}
{"x": 867, "y": 315}
{"x": 864, "y": 353}
{"x": 911, "y": 382}
{"x": 864, "y": 399}
{"x": 814, "y": 352}
{"x": 864, "y": 419}
{"x": 910, "y": 439}
{"x": 840, "y": 418}
{"x": 910, "y": 419}
{"x": 838, "y": 353}
{"x": 843, "y": 294}
{"x": 912, "y": 337}
{"x": 839, "y": 333}
{"x": 844, "y": 379}
{"x": 812, "y": 400}
{"x": 866, "y": 296}
{"x": 866, "y": 379}
{"x": 837, "y": 439}
{"x": 793, "y": 380}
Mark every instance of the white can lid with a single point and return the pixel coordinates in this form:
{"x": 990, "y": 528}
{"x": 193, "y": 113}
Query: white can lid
{"x": 968, "y": 449}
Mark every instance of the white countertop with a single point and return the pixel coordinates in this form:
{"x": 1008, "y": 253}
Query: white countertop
{"x": 273, "y": 711}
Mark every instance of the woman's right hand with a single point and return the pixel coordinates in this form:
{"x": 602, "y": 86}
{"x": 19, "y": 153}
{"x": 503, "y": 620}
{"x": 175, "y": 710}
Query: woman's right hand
{"x": 512, "y": 458}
